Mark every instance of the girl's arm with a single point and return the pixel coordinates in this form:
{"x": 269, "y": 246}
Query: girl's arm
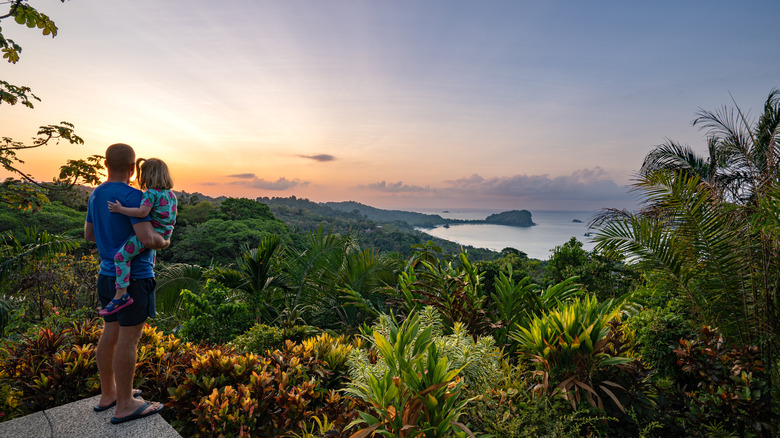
{"x": 117, "y": 207}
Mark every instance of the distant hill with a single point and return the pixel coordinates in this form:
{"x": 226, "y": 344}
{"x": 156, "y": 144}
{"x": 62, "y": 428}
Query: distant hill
{"x": 414, "y": 219}
{"x": 388, "y": 230}
{"x": 514, "y": 218}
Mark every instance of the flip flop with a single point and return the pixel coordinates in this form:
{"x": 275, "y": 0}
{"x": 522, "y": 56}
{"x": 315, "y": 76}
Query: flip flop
{"x": 136, "y": 393}
{"x": 138, "y": 413}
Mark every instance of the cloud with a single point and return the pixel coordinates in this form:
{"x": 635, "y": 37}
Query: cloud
{"x": 467, "y": 182}
{"x": 581, "y": 185}
{"x": 243, "y": 176}
{"x": 319, "y": 157}
{"x": 252, "y": 181}
{"x": 398, "y": 187}
{"x": 584, "y": 188}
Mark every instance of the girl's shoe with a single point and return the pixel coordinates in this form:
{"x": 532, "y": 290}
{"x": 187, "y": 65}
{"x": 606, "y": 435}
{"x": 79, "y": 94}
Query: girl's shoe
{"x": 116, "y": 305}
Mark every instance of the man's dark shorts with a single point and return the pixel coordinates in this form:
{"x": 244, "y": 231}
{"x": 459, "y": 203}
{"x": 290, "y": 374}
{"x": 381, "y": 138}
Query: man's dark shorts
{"x": 142, "y": 291}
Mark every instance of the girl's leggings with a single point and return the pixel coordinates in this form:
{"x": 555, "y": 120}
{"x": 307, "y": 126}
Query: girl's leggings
{"x": 122, "y": 259}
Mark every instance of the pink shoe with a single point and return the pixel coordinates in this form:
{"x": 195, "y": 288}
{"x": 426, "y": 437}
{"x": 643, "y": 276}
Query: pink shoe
{"x": 116, "y": 305}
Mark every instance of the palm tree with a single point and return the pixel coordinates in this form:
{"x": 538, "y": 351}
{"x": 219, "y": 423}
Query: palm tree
{"x": 704, "y": 223}
{"x": 333, "y": 281}
{"x": 363, "y": 278}
{"x": 16, "y": 253}
{"x": 254, "y": 276}
{"x": 749, "y": 148}
{"x": 743, "y": 154}
{"x": 171, "y": 280}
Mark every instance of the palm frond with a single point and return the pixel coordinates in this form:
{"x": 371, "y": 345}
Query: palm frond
{"x": 15, "y": 254}
{"x": 171, "y": 280}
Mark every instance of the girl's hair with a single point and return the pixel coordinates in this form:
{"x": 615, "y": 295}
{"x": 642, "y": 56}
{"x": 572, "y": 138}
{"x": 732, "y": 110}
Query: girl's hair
{"x": 153, "y": 174}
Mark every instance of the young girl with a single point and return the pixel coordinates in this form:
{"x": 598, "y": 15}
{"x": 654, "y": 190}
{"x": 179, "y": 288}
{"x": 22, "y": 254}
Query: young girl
{"x": 160, "y": 203}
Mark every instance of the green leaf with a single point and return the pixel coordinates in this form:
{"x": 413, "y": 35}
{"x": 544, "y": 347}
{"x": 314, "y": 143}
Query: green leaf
{"x": 11, "y": 55}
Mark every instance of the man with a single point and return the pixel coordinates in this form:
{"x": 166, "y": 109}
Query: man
{"x": 117, "y": 349}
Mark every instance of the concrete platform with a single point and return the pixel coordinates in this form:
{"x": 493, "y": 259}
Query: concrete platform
{"x": 77, "y": 419}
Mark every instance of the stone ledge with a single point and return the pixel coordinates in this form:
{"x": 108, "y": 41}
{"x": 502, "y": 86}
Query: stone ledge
{"x": 77, "y": 419}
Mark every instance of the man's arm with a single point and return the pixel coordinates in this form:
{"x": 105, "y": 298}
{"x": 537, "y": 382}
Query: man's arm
{"x": 89, "y": 231}
{"x": 148, "y": 237}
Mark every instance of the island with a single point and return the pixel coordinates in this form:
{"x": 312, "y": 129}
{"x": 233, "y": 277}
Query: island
{"x": 514, "y": 218}
{"x": 576, "y": 221}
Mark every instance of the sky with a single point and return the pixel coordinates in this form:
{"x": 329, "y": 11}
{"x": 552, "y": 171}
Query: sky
{"x": 406, "y": 104}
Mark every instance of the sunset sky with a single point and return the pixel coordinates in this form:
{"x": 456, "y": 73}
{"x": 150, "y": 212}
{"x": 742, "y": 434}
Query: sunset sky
{"x": 396, "y": 104}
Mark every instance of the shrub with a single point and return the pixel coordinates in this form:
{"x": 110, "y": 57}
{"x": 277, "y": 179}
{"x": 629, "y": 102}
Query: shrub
{"x": 477, "y": 359}
{"x": 418, "y": 393}
{"x": 213, "y": 317}
{"x": 570, "y": 345}
{"x": 163, "y": 362}
{"x": 48, "y": 367}
{"x": 60, "y": 280}
{"x": 248, "y": 395}
{"x": 520, "y": 415}
{"x": 731, "y": 390}
{"x": 212, "y": 390}
{"x": 332, "y": 352}
{"x": 658, "y": 333}
{"x": 259, "y": 339}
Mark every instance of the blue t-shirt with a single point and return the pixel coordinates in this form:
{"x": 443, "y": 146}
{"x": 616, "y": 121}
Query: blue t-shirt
{"x": 113, "y": 229}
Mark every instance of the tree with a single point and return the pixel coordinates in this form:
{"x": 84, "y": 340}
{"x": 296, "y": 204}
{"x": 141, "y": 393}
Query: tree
{"x": 743, "y": 153}
{"x": 254, "y": 274}
{"x": 606, "y": 276}
{"x": 242, "y": 208}
{"x": 715, "y": 238}
{"x": 25, "y": 191}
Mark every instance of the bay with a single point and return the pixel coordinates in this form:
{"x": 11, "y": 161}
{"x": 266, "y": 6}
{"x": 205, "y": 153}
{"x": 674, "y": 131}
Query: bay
{"x": 553, "y": 228}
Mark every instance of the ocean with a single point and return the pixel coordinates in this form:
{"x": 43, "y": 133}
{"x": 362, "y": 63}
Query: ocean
{"x": 553, "y": 228}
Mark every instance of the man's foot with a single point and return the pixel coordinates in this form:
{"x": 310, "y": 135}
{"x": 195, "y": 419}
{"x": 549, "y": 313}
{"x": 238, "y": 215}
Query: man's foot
{"x": 116, "y": 305}
{"x": 99, "y": 408}
{"x": 144, "y": 410}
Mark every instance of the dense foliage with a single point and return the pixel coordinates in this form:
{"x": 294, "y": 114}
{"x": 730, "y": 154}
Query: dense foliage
{"x": 286, "y": 319}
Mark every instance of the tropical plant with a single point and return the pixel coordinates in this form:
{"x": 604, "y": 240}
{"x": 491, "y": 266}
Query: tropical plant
{"x": 171, "y": 280}
{"x": 49, "y": 366}
{"x": 213, "y": 316}
{"x": 570, "y": 344}
{"x": 478, "y": 358}
{"x": 731, "y": 386}
{"x": 516, "y": 303}
{"x": 717, "y": 254}
{"x": 418, "y": 394}
{"x": 709, "y": 230}
{"x": 36, "y": 245}
{"x": 248, "y": 395}
{"x": 332, "y": 282}
{"x": 362, "y": 281}
{"x": 254, "y": 276}
{"x": 455, "y": 291}
{"x": 744, "y": 153}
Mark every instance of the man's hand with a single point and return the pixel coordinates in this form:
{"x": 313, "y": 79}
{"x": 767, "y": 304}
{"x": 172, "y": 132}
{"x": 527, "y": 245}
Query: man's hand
{"x": 89, "y": 231}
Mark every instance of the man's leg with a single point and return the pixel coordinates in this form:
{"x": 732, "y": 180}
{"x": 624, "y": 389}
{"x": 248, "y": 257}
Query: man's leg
{"x": 125, "y": 357}
{"x": 104, "y": 357}
{"x": 131, "y": 324}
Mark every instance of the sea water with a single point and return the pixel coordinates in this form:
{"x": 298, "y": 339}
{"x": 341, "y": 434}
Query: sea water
{"x": 553, "y": 228}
